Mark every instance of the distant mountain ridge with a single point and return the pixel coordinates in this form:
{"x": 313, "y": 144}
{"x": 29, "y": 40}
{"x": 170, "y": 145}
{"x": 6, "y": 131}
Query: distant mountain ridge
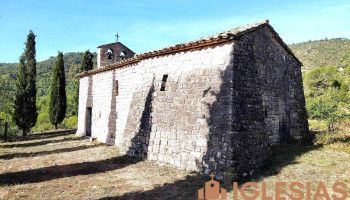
{"x": 44, "y": 71}
{"x": 323, "y": 53}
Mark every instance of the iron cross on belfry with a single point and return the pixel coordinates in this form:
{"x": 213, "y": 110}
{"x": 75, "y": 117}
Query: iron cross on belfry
{"x": 117, "y": 36}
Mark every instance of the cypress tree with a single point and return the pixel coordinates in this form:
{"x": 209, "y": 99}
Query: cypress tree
{"x": 58, "y": 100}
{"x": 86, "y": 61}
{"x": 76, "y": 98}
{"x": 20, "y": 99}
{"x": 25, "y": 111}
{"x": 31, "y": 66}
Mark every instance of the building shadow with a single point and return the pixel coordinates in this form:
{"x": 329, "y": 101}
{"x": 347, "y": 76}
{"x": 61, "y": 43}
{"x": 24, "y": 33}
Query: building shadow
{"x": 62, "y": 171}
{"x": 182, "y": 189}
{"x": 42, "y": 153}
{"x": 283, "y": 155}
{"x": 32, "y": 144}
{"x": 112, "y": 115}
{"x": 45, "y": 135}
{"x": 140, "y": 141}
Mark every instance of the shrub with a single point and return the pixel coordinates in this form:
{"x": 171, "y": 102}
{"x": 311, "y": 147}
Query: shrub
{"x": 328, "y": 107}
{"x": 330, "y": 137}
{"x": 70, "y": 122}
{"x": 43, "y": 127}
{"x": 318, "y": 125}
{"x": 43, "y": 123}
{"x": 12, "y": 130}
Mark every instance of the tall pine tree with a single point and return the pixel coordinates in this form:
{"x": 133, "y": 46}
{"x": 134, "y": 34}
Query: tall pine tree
{"x": 25, "y": 111}
{"x": 58, "y": 100}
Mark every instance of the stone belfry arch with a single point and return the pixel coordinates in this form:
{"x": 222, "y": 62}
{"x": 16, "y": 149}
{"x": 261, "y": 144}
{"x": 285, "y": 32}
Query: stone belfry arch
{"x": 114, "y": 51}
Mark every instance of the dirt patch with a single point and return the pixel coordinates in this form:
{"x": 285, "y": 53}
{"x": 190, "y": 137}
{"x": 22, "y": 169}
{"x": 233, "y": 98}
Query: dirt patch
{"x": 59, "y": 165}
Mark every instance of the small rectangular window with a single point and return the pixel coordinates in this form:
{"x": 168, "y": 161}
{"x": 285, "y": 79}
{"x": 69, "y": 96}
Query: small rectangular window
{"x": 165, "y": 78}
{"x": 116, "y": 88}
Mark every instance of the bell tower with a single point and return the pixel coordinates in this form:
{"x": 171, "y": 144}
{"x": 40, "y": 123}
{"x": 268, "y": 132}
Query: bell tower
{"x": 113, "y": 52}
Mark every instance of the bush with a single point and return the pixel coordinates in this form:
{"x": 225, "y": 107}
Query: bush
{"x": 321, "y": 77}
{"x": 42, "y": 127}
{"x": 43, "y": 123}
{"x": 318, "y": 125}
{"x": 12, "y": 130}
{"x": 330, "y": 137}
{"x": 70, "y": 122}
{"x": 328, "y": 107}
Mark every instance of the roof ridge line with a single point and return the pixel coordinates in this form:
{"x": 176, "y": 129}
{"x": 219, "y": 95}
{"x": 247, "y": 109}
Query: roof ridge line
{"x": 213, "y": 39}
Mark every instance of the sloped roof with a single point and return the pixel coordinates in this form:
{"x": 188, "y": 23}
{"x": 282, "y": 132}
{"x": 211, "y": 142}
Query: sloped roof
{"x": 201, "y": 42}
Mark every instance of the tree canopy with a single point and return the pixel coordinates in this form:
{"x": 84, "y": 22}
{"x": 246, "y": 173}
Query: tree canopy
{"x": 25, "y": 111}
{"x": 58, "y": 99}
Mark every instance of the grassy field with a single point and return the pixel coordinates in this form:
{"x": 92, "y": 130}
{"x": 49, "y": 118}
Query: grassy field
{"x": 59, "y": 165}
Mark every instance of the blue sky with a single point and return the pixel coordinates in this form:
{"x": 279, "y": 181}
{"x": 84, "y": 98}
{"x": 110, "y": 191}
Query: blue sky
{"x": 72, "y": 26}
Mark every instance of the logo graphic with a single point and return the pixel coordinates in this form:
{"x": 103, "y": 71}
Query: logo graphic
{"x": 212, "y": 191}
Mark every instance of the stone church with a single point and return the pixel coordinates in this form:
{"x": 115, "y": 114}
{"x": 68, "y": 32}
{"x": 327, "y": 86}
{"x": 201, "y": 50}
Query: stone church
{"x": 215, "y": 104}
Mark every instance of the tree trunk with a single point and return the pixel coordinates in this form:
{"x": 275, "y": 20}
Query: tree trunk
{"x": 5, "y": 135}
{"x": 56, "y": 126}
{"x": 24, "y": 132}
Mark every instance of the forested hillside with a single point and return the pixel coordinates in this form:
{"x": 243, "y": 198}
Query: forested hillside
{"x": 8, "y": 73}
{"x": 326, "y": 78}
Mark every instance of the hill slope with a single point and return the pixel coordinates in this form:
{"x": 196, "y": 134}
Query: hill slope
{"x": 44, "y": 71}
{"x": 8, "y": 73}
{"x": 323, "y": 53}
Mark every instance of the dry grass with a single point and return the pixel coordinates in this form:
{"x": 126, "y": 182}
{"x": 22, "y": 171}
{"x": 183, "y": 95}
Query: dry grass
{"x": 314, "y": 164}
{"x": 63, "y": 166}
{"x": 58, "y": 165}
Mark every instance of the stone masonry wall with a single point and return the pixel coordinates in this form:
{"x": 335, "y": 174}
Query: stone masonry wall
{"x": 171, "y": 126}
{"x": 250, "y": 147}
{"x": 116, "y": 48}
{"x": 85, "y": 91}
{"x": 282, "y": 89}
{"x": 221, "y": 109}
{"x": 97, "y": 92}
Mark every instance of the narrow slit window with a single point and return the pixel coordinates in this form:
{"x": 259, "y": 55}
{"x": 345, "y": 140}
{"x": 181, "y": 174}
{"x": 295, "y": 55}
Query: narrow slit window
{"x": 165, "y": 78}
{"x": 116, "y": 88}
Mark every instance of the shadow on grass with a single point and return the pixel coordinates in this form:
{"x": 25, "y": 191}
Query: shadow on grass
{"x": 44, "y": 135}
{"x": 182, "y": 189}
{"x": 283, "y": 155}
{"x": 32, "y": 144}
{"x": 41, "y": 153}
{"x": 62, "y": 171}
